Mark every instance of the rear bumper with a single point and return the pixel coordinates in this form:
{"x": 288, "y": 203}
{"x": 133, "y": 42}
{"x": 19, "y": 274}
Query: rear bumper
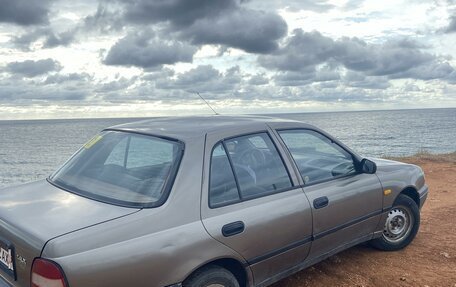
{"x": 423, "y": 192}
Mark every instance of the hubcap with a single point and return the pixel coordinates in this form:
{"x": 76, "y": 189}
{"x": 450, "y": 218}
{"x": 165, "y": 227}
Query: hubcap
{"x": 398, "y": 224}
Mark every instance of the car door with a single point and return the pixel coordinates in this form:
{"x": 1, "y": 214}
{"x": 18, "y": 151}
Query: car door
{"x": 253, "y": 204}
{"x": 346, "y": 204}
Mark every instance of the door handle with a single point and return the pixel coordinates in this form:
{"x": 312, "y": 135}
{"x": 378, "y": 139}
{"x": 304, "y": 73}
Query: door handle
{"x": 320, "y": 202}
{"x": 233, "y": 228}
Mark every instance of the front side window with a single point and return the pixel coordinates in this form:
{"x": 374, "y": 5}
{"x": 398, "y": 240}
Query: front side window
{"x": 122, "y": 168}
{"x": 317, "y": 157}
{"x": 246, "y": 167}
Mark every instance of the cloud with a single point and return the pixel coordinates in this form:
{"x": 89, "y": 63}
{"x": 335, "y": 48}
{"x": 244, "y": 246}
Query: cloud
{"x": 179, "y": 13}
{"x": 145, "y": 50}
{"x": 393, "y": 58}
{"x": 219, "y": 22}
{"x": 452, "y": 25}
{"x": 319, "y": 6}
{"x": 359, "y": 80}
{"x": 30, "y": 68}
{"x": 258, "y": 80}
{"x": 204, "y": 79}
{"x": 248, "y": 30}
{"x": 104, "y": 20}
{"x": 305, "y": 77}
{"x": 115, "y": 86}
{"x": 49, "y": 38}
{"x": 24, "y": 12}
{"x": 58, "y": 79}
{"x": 20, "y": 91}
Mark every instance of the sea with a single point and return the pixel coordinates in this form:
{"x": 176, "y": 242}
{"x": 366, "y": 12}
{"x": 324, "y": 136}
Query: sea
{"x": 32, "y": 149}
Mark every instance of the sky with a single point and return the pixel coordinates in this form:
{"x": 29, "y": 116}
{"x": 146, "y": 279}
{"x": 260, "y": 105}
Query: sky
{"x": 135, "y": 58}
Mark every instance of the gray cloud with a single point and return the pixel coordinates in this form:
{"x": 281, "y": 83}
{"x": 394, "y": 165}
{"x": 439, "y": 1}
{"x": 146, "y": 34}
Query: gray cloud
{"x": 24, "y": 12}
{"x": 147, "y": 51}
{"x": 22, "y": 90}
{"x": 319, "y": 6}
{"x": 115, "y": 86}
{"x": 249, "y": 30}
{"x": 394, "y": 59}
{"x": 204, "y": 79}
{"x": 258, "y": 80}
{"x": 30, "y": 68}
{"x": 452, "y": 25}
{"x": 103, "y": 20}
{"x": 58, "y": 79}
{"x": 179, "y": 13}
{"x": 359, "y": 80}
{"x": 220, "y": 22}
{"x": 308, "y": 76}
{"x": 47, "y": 35}
{"x": 60, "y": 39}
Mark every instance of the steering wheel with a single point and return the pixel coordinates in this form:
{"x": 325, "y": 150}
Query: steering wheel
{"x": 252, "y": 157}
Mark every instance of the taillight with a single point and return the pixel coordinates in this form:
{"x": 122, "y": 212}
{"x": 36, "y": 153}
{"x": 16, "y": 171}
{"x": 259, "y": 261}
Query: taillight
{"x": 46, "y": 273}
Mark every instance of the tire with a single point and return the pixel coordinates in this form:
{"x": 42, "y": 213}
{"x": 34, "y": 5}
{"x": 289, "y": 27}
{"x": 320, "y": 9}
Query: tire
{"x": 401, "y": 225}
{"x": 211, "y": 276}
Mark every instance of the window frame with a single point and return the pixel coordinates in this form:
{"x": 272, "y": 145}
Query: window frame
{"x": 353, "y": 156}
{"x": 167, "y": 186}
{"x": 241, "y": 199}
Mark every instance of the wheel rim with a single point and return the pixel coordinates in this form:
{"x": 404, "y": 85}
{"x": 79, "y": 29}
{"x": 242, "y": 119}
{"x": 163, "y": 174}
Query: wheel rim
{"x": 398, "y": 224}
{"x": 215, "y": 285}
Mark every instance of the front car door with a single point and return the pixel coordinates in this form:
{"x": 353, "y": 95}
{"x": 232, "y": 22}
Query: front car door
{"x": 346, "y": 204}
{"x": 252, "y": 202}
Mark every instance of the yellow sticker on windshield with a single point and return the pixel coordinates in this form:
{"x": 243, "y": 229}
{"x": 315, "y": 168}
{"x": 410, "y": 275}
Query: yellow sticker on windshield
{"x": 93, "y": 141}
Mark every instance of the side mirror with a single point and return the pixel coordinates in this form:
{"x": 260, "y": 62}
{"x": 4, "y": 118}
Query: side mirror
{"x": 368, "y": 166}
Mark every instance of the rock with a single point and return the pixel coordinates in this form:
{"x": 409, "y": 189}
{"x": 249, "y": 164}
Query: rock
{"x": 403, "y": 279}
{"x": 445, "y": 254}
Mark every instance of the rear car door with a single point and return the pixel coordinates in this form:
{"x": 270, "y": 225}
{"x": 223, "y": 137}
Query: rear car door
{"x": 253, "y": 204}
{"x": 346, "y": 204}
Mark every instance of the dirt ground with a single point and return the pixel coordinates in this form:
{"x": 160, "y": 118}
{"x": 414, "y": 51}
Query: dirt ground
{"x": 430, "y": 260}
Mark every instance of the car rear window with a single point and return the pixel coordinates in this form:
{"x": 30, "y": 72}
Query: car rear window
{"x": 122, "y": 168}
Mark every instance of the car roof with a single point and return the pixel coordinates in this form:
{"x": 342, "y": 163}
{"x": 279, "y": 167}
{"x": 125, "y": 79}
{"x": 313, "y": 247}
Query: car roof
{"x": 195, "y": 126}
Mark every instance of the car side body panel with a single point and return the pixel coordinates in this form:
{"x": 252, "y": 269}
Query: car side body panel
{"x": 278, "y": 226}
{"x": 353, "y": 211}
{"x": 398, "y": 176}
{"x": 155, "y": 247}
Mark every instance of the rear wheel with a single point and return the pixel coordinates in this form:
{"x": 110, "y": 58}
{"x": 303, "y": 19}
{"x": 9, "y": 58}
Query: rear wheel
{"x": 401, "y": 225}
{"x": 212, "y": 276}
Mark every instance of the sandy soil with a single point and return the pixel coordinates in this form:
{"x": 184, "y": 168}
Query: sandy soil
{"x": 430, "y": 260}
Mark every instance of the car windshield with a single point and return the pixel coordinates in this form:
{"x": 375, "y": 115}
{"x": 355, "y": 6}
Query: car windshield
{"x": 122, "y": 168}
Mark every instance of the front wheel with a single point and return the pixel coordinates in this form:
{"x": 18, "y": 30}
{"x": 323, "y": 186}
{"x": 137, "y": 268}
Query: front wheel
{"x": 401, "y": 225}
{"x": 212, "y": 276}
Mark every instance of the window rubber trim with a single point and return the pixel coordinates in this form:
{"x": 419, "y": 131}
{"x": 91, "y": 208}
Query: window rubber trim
{"x": 241, "y": 199}
{"x": 167, "y": 186}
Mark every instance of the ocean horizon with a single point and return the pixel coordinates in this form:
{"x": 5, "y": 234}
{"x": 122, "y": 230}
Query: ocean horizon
{"x": 32, "y": 149}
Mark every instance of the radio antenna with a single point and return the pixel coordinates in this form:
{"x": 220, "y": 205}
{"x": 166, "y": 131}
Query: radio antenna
{"x": 206, "y": 103}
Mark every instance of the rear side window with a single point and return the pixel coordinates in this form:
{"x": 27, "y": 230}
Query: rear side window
{"x": 317, "y": 157}
{"x": 246, "y": 167}
{"x": 222, "y": 183}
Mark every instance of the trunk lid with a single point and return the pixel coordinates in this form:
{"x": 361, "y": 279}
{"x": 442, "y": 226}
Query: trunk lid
{"x": 34, "y": 213}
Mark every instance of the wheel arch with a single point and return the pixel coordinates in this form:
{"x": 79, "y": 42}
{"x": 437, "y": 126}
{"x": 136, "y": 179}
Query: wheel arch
{"x": 239, "y": 270}
{"x": 411, "y": 192}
